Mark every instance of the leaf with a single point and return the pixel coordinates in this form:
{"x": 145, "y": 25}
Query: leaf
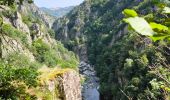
{"x": 154, "y": 84}
{"x": 158, "y": 37}
{"x": 160, "y": 27}
{"x": 166, "y": 10}
{"x": 140, "y": 25}
{"x": 130, "y": 13}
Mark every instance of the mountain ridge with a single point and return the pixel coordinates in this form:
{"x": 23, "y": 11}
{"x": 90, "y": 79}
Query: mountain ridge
{"x": 57, "y": 12}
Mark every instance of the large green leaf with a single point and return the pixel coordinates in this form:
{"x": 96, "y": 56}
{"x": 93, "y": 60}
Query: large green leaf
{"x": 159, "y": 27}
{"x": 158, "y": 37}
{"x": 140, "y": 25}
{"x": 130, "y": 13}
{"x": 166, "y": 10}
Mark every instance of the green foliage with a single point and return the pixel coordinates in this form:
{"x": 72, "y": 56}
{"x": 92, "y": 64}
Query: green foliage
{"x": 129, "y": 63}
{"x": 1, "y": 20}
{"x": 158, "y": 27}
{"x": 14, "y": 33}
{"x": 140, "y": 25}
{"x": 166, "y": 10}
{"x": 130, "y": 13}
{"x": 126, "y": 61}
{"x": 51, "y": 32}
{"x": 155, "y": 77}
{"x": 12, "y": 2}
{"x": 53, "y": 56}
{"x": 8, "y": 13}
{"x": 17, "y": 73}
{"x": 28, "y": 20}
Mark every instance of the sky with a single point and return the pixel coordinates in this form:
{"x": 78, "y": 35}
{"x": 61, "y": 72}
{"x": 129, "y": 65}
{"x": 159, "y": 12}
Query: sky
{"x": 57, "y": 3}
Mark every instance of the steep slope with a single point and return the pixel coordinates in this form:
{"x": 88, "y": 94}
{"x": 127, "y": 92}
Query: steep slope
{"x": 37, "y": 12}
{"x": 89, "y": 22}
{"x": 123, "y": 59}
{"x": 57, "y": 12}
{"x": 32, "y": 62}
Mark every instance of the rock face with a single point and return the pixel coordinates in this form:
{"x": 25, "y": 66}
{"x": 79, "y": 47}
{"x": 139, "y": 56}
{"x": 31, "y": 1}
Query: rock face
{"x": 63, "y": 84}
{"x": 18, "y": 36}
{"x": 9, "y": 45}
{"x": 70, "y": 86}
{"x": 20, "y": 25}
{"x": 26, "y": 8}
{"x": 69, "y": 29}
{"x": 91, "y": 84}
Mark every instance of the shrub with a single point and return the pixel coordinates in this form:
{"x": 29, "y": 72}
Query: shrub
{"x": 56, "y": 55}
{"x": 10, "y": 31}
{"x": 51, "y": 32}
{"x": 40, "y": 48}
{"x": 17, "y": 74}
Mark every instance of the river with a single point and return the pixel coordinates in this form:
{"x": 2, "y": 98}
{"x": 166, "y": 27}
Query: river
{"x": 91, "y": 85}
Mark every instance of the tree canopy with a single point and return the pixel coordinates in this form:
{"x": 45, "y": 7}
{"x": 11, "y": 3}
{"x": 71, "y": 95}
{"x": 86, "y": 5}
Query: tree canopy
{"x": 11, "y": 2}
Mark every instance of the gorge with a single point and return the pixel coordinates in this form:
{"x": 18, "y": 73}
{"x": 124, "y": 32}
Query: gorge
{"x": 98, "y": 50}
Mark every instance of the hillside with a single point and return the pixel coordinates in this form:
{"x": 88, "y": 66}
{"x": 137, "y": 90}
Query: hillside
{"x": 32, "y": 62}
{"x": 57, "y": 12}
{"x": 99, "y": 50}
{"x": 129, "y": 65}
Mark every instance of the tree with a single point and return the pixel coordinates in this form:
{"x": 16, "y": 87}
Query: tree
{"x": 11, "y": 2}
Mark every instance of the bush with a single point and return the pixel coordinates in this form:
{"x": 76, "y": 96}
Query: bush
{"x": 40, "y": 48}
{"x": 17, "y": 74}
{"x": 10, "y": 31}
{"x": 56, "y": 55}
{"x": 51, "y": 32}
{"x": 27, "y": 20}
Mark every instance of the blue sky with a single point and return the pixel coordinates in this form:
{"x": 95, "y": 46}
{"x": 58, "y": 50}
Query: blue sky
{"x": 57, "y": 3}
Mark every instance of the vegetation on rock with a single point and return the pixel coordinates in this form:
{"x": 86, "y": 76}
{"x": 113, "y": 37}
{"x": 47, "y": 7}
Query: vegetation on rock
{"x": 27, "y": 52}
{"x": 132, "y": 61}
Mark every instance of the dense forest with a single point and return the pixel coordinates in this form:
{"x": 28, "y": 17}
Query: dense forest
{"x": 132, "y": 61}
{"x": 126, "y": 41}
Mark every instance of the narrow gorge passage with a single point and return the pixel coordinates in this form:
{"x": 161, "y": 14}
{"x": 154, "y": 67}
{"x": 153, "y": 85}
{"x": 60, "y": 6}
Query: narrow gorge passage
{"x": 91, "y": 85}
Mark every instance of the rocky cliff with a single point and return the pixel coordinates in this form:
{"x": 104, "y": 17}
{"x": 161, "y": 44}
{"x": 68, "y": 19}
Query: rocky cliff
{"x": 91, "y": 21}
{"x": 64, "y": 84}
{"x": 123, "y": 59}
{"x": 25, "y": 32}
{"x": 32, "y": 8}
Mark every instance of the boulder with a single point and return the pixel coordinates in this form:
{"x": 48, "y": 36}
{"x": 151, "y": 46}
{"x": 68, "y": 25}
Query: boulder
{"x": 64, "y": 84}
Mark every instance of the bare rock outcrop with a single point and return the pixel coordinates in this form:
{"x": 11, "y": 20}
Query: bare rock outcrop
{"x": 32, "y": 8}
{"x": 63, "y": 84}
{"x": 9, "y": 45}
{"x": 70, "y": 85}
{"x": 20, "y": 25}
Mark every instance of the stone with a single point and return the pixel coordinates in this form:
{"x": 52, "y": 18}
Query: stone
{"x": 26, "y": 8}
{"x": 20, "y": 25}
{"x": 71, "y": 86}
{"x": 63, "y": 84}
{"x": 90, "y": 86}
{"x": 9, "y": 45}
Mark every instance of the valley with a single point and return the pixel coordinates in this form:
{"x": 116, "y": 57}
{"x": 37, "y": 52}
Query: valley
{"x": 97, "y": 50}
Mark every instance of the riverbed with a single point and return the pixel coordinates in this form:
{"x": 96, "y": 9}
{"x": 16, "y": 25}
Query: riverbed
{"x": 91, "y": 85}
